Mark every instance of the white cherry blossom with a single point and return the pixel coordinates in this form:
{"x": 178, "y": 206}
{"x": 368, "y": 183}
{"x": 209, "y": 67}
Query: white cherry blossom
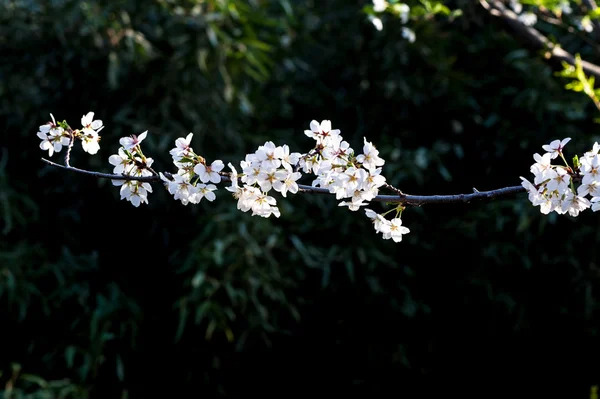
{"x": 556, "y": 147}
{"x": 90, "y": 125}
{"x": 131, "y": 142}
{"x": 209, "y": 173}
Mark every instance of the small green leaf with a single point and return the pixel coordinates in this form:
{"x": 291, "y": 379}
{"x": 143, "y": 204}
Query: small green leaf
{"x": 183, "y": 314}
{"x": 212, "y": 326}
{"x": 120, "y": 369}
{"x": 70, "y": 356}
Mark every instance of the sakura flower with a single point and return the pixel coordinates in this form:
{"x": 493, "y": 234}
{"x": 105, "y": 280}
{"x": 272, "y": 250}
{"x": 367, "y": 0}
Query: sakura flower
{"x": 288, "y": 160}
{"x": 53, "y": 137}
{"x": 270, "y": 155}
{"x": 595, "y": 203}
{"x": 90, "y": 125}
{"x": 381, "y": 224}
{"x": 370, "y": 157}
{"x": 182, "y": 148}
{"x": 53, "y": 141}
{"x": 46, "y": 145}
{"x": 337, "y": 151}
{"x": 355, "y": 204}
{"x": 556, "y": 147}
{"x": 251, "y": 171}
{"x": 590, "y": 169}
{"x": 541, "y": 167}
{"x": 374, "y": 180}
{"x": 559, "y": 180}
{"x": 129, "y": 143}
{"x": 265, "y": 206}
{"x": 206, "y": 191}
{"x": 135, "y": 192}
{"x": 90, "y": 142}
{"x": 594, "y": 151}
{"x": 121, "y": 162}
{"x": 397, "y": 230}
{"x": 266, "y": 179}
{"x": 322, "y": 132}
{"x": 286, "y": 182}
{"x": 247, "y": 196}
{"x": 181, "y": 188}
{"x": 592, "y": 188}
{"x": 534, "y": 194}
{"x": 574, "y": 204}
{"x": 549, "y": 204}
{"x": 209, "y": 173}
{"x": 352, "y": 179}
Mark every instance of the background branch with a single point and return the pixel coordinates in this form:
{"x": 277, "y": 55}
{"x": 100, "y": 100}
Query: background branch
{"x": 591, "y": 5}
{"x": 535, "y": 38}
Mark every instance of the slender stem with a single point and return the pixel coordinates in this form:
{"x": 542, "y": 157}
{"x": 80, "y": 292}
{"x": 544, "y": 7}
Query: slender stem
{"x": 68, "y": 153}
{"x": 415, "y": 200}
{"x": 148, "y": 179}
{"x": 390, "y": 187}
{"x": 418, "y": 200}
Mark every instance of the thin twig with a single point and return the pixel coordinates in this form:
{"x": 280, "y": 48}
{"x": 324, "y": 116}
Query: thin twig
{"x": 418, "y": 200}
{"x": 69, "y": 147}
{"x": 415, "y": 200}
{"x": 148, "y": 179}
{"x": 390, "y": 187}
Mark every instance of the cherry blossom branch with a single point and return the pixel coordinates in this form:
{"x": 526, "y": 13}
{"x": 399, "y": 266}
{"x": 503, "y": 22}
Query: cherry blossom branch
{"x": 355, "y": 179}
{"x": 533, "y": 36}
{"x": 406, "y": 199}
{"x": 418, "y": 200}
{"x": 147, "y": 179}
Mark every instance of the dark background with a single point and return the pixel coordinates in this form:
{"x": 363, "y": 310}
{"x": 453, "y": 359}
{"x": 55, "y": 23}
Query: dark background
{"x": 101, "y": 299}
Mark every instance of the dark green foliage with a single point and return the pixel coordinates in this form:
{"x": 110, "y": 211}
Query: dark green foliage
{"x": 102, "y": 299}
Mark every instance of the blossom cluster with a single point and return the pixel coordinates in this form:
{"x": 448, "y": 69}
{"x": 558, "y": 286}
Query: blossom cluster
{"x": 269, "y": 168}
{"x": 130, "y": 161}
{"x": 194, "y": 179}
{"x": 356, "y": 178}
{"x": 338, "y": 170}
{"x": 553, "y": 188}
{"x": 388, "y": 228}
{"x": 54, "y": 136}
{"x": 353, "y": 179}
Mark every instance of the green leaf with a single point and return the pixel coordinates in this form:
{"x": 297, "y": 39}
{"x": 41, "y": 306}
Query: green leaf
{"x": 120, "y": 369}
{"x": 212, "y": 326}
{"x": 183, "y": 315}
{"x": 34, "y": 379}
{"x": 70, "y": 356}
